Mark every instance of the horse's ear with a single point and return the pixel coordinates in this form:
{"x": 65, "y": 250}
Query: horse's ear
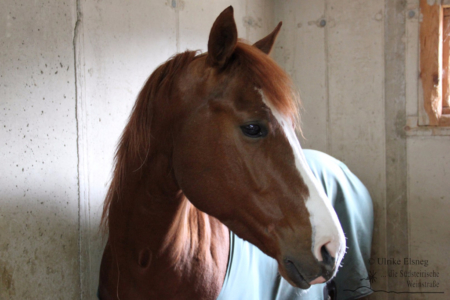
{"x": 266, "y": 44}
{"x": 222, "y": 39}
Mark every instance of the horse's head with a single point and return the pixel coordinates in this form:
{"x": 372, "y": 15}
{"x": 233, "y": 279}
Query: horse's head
{"x": 236, "y": 156}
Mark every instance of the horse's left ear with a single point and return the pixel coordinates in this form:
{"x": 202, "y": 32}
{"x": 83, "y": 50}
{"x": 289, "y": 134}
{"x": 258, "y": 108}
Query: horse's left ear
{"x": 266, "y": 44}
{"x": 222, "y": 39}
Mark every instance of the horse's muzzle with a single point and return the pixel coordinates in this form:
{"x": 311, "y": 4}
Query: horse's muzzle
{"x": 303, "y": 279}
{"x": 294, "y": 275}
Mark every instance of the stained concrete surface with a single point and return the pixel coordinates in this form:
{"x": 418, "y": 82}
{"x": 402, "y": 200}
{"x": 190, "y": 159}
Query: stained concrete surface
{"x": 38, "y": 161}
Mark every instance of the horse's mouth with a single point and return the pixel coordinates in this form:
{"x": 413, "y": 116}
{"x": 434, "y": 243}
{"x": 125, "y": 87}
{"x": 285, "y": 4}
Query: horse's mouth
{"x": 295, "y": 276}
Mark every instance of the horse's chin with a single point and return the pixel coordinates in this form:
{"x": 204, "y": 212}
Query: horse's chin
{"x": 294, "y": 277}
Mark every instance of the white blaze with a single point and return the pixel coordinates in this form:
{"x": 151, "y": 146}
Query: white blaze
{"x": 326, "y": 228}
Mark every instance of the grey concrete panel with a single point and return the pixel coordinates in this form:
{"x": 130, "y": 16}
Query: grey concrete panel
{"x": 38, "y": 162}
{"x": 357, "y": 116}
{"x": 428, "y": 206}
{"x": 301, "y": 51}
{"x": 396, "y": 158}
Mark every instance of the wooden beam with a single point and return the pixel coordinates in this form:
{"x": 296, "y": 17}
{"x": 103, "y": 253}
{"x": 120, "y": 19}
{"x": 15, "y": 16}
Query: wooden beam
{"x": 445, "y": 57}
{"x": 430, "y": 59}
{"x": 444, "y": 120}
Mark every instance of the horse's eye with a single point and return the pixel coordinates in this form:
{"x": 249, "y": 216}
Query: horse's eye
{"x": 254, "y": 130}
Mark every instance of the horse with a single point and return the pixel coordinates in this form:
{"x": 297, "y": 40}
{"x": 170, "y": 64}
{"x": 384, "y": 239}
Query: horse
{"x": 210, "y": 149}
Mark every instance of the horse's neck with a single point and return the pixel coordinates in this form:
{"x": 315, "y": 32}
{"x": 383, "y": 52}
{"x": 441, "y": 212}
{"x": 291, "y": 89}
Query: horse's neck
{"x": 165, "y": 246}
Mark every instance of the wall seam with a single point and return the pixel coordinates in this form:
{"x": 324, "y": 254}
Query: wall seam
{"x": 385, "y": 193}
{"x": 177, "y": 32}
{"x": 246, "y": 20}
{"x": 327, "y": 79}
{"x": 75, "y": 58}
{"x": 397, "y": 242}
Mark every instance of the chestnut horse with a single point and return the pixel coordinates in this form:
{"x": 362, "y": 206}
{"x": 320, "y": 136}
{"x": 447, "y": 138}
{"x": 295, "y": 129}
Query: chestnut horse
{"x": 210, "y": 147}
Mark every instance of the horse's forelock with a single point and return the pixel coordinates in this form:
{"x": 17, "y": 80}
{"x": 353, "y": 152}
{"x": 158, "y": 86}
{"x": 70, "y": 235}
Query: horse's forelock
{"x": 265, "y": 73}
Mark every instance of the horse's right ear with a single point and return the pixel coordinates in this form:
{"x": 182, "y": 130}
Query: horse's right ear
{"x": 266, "y": 44}
{"x": 222, "y": 39}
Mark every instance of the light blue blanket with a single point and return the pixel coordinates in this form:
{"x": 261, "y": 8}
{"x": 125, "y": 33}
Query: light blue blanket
{"x": 251, "y": 274}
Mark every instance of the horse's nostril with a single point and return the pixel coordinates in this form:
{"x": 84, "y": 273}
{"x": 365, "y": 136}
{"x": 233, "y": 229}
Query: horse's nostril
{"x": 328, "y": 263}
{"x": 327, "y": 258}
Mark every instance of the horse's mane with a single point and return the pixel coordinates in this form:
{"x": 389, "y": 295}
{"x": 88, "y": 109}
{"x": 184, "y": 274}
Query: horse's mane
{"x": 134, "y": 144}
{"x": 136, "y": 135}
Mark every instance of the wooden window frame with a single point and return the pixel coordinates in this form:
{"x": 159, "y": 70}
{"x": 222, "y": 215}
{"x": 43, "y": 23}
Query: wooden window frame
{"x": 433, "y": 110}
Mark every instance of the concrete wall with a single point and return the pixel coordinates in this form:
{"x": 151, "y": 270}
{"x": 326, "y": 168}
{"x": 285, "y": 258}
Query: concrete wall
{"x": 356, "y": 65}
{"x": 38, "y": 161}
{"x": 69, "y": 75}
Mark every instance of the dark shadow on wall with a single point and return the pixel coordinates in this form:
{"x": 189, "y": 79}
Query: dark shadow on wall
{"x": 39, "y": 249}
